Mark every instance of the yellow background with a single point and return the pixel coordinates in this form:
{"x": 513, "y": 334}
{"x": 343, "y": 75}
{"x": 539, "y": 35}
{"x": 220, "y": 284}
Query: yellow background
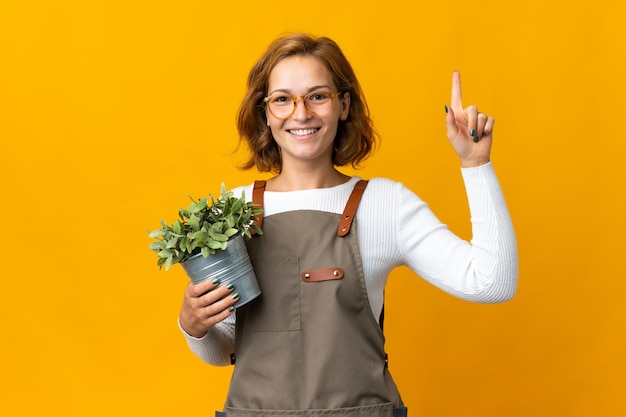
{"x": 111, "y": 112}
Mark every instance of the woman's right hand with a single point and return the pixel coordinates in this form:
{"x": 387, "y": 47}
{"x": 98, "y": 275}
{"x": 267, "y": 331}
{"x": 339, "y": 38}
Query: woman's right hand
{"x": 204, "y": 305}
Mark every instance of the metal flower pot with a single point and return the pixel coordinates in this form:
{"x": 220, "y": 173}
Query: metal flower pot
{"x": 231, "y": 265}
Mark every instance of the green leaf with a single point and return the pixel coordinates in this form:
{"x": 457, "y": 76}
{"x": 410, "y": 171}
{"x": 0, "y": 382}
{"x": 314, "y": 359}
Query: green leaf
{"x": 177, "y": 227}
{"x": 156, "y": 233}
{"x": 217, "y": 227}
{"x": 172, "y": 243}
{"x": 200, "y": 236}
{"x": 179, "y": 256}
{"x": 230, "y": 221}
{"x": 194, "y": 222}
{"x": 213, "y": 244}
{"x": 237, "y": 206}
{"x": 219, "y": 237}
{"x": 164, "y": 253}
{"x": 205, "y": 252}
{"x": 231, "y": 232}
{"x": 201, "y": 205}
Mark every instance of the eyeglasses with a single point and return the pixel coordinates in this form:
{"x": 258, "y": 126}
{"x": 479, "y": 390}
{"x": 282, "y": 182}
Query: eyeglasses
{"x": 283, "y": 106}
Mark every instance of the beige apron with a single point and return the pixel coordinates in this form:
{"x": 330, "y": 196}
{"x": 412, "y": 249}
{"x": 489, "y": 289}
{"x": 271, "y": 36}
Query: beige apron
{"x": 310, "y": 345}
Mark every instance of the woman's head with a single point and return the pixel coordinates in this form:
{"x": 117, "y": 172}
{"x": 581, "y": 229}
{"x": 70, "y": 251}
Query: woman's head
{"x": 355, "y": 136}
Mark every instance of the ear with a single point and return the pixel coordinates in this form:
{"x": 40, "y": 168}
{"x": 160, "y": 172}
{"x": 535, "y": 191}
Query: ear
{"x": 345, "y": 106}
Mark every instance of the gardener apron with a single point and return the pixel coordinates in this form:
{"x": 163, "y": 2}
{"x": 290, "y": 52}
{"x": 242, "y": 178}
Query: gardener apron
{"x": 310, "y": 345}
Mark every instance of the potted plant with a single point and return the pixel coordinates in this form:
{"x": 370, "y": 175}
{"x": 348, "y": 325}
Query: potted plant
{"x": 208, "y": 241}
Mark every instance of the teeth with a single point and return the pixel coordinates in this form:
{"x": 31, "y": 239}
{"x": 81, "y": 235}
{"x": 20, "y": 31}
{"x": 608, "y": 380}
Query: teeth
{"x": 303, "y": 132}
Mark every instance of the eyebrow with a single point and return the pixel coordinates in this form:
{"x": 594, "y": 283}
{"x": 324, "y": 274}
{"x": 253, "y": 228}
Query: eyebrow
{"x": 286, "y": 90}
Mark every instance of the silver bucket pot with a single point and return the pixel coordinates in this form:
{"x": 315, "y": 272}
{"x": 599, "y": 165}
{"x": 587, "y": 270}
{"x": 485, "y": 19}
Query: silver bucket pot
{"x": 230, "y": 266}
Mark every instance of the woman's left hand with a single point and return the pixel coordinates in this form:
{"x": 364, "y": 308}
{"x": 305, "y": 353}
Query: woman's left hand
{"x": 469, "y": 131}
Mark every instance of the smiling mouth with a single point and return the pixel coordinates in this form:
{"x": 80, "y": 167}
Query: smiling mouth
{"x": 303, "y": 132}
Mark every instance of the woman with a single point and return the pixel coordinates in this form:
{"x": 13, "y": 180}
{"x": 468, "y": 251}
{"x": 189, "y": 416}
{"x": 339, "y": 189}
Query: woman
{"x": 312, "y": 344}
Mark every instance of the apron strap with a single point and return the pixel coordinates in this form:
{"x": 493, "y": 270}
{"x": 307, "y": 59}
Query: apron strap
{"x": 257, "y": 198}
{"x": 351, "y": 206}
{"x": 346, "y": 218}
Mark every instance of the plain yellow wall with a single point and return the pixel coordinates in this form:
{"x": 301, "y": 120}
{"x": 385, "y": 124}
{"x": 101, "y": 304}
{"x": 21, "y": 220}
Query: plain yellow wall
{"x": 111, "y": 112}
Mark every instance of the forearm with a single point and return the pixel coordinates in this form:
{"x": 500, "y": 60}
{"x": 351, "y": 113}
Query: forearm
{"x": 493, "y": 252}
{"x": 216, "y": 346}
{"x": 484, "y": 270}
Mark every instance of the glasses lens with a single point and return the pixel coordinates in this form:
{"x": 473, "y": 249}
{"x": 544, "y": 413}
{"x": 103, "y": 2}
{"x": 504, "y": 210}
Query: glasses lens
{"x": 319, "y": 103}
{"x": 281, "y": 106}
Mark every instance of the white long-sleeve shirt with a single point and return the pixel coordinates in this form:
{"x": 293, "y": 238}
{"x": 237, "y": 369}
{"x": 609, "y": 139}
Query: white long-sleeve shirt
{"x": 395, "y": 227}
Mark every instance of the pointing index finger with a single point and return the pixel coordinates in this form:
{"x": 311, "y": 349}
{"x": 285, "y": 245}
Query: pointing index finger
{"x": 456, "y": 100}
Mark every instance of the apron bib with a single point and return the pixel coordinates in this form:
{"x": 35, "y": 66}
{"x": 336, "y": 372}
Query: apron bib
{"x": 310, "y": 344}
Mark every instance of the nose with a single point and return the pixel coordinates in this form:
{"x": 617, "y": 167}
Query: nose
{"x": 301, "y": 112}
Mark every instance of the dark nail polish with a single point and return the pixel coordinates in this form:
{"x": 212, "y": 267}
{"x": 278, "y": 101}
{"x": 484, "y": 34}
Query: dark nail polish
{"x": 476, "y": 138}
{"x": 230, "y": 286}
{"x": 446, "y": 108}
{"x": 215, "y": 281}
{"x": 231, "y": 309}
{"x": 472, "y": 132}
{"x": 235, "y": 296}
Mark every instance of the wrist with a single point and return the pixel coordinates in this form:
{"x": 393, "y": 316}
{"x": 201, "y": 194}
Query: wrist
{"x": 473, "y": 163}
{"x": 196, "y": 334}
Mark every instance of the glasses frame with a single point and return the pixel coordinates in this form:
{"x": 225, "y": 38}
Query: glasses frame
{"x": 304, "y": 100}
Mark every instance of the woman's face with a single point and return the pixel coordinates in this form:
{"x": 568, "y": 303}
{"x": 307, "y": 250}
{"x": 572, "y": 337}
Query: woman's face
{"x": 304, "y": 137}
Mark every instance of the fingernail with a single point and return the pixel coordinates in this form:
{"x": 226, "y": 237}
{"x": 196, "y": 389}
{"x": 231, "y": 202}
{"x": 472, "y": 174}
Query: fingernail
{"x": 472, "y": 132}
{"x": 215, "y": 281}
{"x": 476, "y": 138}
{"x": 231, "y": 309}
{"x": 446, "y": 108}
{"x": 235, "y": 296}
{"x": 230, "y": 286}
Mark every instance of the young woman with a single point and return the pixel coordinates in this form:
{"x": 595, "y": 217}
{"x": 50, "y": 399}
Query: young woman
{"x": 312, "y": 343}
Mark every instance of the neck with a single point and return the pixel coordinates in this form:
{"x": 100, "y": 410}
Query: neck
{"x": 306, "y": 179}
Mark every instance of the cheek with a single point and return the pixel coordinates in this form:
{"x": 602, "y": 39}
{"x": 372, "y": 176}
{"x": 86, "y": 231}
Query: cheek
{"x": 274, "y": 128}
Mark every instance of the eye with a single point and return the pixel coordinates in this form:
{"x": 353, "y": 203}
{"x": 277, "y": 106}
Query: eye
{"x": 281, "y": 100}
{"x": 318, "y": 96}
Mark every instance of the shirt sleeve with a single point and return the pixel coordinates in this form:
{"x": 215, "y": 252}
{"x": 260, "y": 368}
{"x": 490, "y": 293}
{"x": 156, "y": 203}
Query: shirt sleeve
{"x": 216, "y": 346}
{"x": 484, "y": 270}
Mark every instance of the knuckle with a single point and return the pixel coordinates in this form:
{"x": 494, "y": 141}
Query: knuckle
{"x": 190, "y": 289}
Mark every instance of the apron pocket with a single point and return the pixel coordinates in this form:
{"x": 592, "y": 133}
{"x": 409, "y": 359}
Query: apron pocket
{"x": 277, "y": 309}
